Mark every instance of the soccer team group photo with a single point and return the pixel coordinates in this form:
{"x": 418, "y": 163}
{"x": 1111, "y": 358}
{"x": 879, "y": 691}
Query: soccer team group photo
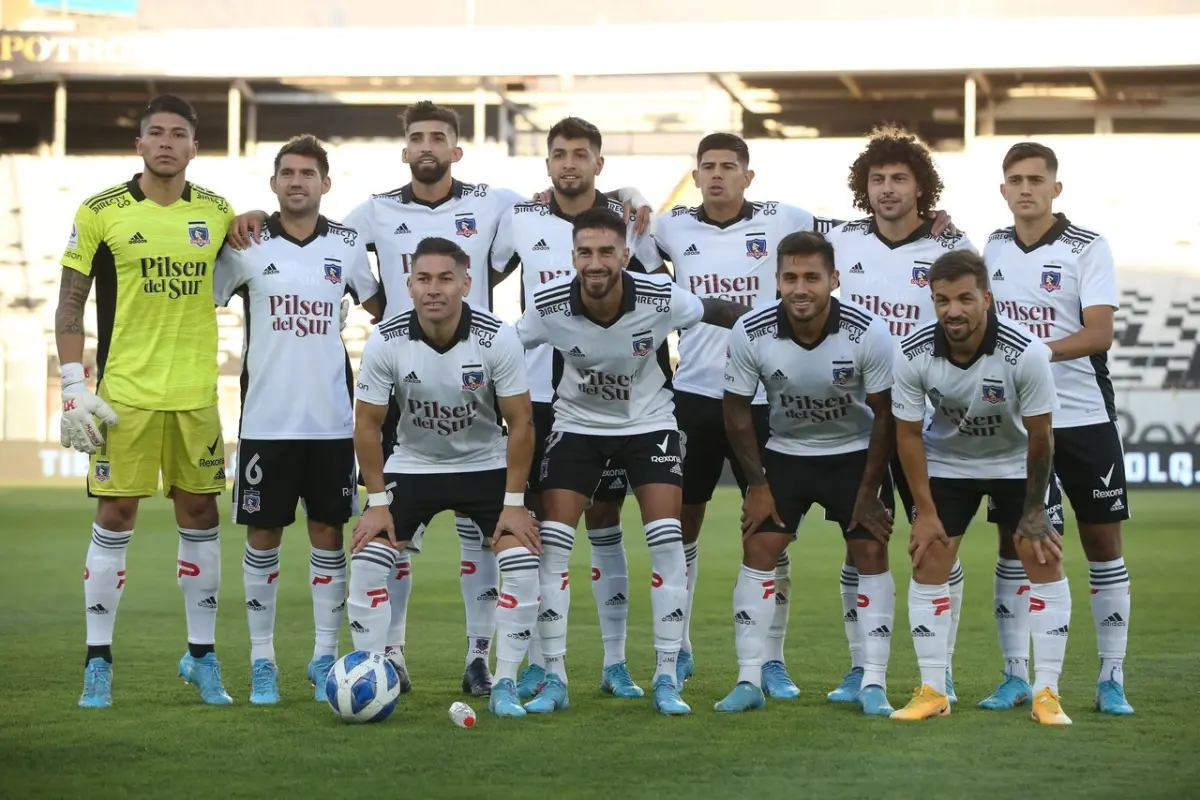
{"x": 886, "y": 373}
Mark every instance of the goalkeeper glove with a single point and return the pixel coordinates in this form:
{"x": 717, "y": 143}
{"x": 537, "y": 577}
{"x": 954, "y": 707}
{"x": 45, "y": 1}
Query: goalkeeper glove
{"x": 79, "y": 406}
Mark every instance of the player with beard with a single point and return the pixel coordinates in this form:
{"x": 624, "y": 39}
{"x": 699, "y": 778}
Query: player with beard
{"x": 149, "y": 244}
{"x": 433, "y": 204}
{"x": 883, "y": 262}
{"x": 613, "y": 408}
{"x": 537, "y": 236}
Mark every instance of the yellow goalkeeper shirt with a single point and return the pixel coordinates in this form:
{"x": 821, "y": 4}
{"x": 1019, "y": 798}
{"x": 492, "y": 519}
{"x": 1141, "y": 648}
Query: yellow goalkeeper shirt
{"x": 152, "y": 269}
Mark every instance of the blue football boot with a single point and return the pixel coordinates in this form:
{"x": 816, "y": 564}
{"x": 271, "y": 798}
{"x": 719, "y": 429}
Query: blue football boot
{"x": 264, "y": 682}
{"x": 619, "y": 683}
{"x": 777, "y": 683}
{"x": 744, "y": 697}
{"x": 97, "y": 684}
{"x": 504, "y": 701}
{"x": 205, "y": 674}
{"x": 552, "y": 697}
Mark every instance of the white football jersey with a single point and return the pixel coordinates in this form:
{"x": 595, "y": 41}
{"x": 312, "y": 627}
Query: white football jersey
{"x": 818, "y": 393}
{"x": 449, "y": 419}
{"x": 395, "y": 222}
{"x": 539, "y": 237}
{"x": 615, "y": 377}
{"x": 731, "y": 261}
{"x": 296, "y": 375}
{"x": 890, "y": 279}
{"x": 1045, "y": 286}
{"x": 977, "y": 429}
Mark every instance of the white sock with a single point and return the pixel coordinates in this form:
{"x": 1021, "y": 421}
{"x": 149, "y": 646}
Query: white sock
{"x": 555, "y": 581}
{"x": 516, "y": 610}
{"x": 260, "y": 574}
{"x": 849, "y": 586}
{"x": 956, "y": 598}
{"x": 104, "y": 583}
{"x": 1011, "y": 590}
{"x": 929, "y": 616}
{"x": 1110, "y": 611}
{"x": 369, "y": 602}
{"x": 1050, "y": 622}
{"x": 668, "y": 591}
{"x": 877, "y": 618}
{"x": 753, "y": 610}
{"x": 199, "y": 577}
{"x": 479, "y": 579}
{"x": 536, "y": 659}
{"x": 610, "y": 588}
{"x": 779, "y": 620}
{"x": 691, "y": 560}
{"x": 327, "y": 580}
{"x": 399, "y": 585}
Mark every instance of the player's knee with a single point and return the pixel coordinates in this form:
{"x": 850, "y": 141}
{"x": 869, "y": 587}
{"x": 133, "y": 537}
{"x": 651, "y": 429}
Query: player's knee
{"x": 869, "y": 556}
{"x": 265, "y": 538}
{"x": 1101, "y": 541}
{"x": 691, "y": 519}
{"x": 324, "y": 536}
{"x": 196, "y": 511}
{"x": 762, "y": 550}
{"x": 1008, "y": 547}
{"x": 602, "y": 514}
{"x": 935, "y": 565}
{"x": 117, "y": 513}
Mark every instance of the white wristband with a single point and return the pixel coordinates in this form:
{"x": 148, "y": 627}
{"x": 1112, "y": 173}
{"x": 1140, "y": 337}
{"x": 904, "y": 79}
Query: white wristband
{"x": 73, "y": 373}
{"x": 378, "y": 499}
{"x": 514, "y": 499}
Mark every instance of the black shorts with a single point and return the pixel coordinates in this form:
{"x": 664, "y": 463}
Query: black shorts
{"x": 705, "y": 444}
{"x": 612, "y": 486}
{"x": 1090, "y": 464}
{"x": 576, "y": 461}
{"x": 415, "y": 499}
{"x": 901, "y": 484}
{"x": 957, "y": 500}
{"x": 272, "y": 475}
{"x": 797, "y": 482}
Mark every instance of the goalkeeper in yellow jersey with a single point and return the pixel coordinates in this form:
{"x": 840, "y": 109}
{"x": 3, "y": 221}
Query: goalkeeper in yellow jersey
{"x": 149, "y": 246}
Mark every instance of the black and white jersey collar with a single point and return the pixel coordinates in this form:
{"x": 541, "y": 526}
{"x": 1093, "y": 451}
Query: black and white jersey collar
{"x": 417, "y": 334}
{"x": 628, "y": 300}
{"x": 407, "y": 196}
{"x": 275, "y": 227}
{"x": 600, "y": 200}
{"x": 1061, "y": 223}
{"x": 744, "y": 213}
{"x": 923, "y": 230}
{"x": 941, "y": 345}
{"x": 135, "y": 190}
{"x": 783, "y": 325}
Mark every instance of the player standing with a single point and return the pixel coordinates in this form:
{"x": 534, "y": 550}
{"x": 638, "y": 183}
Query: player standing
{"x": 538, "y": 237}
{"x": 993, "y": 394}
{"x": 722, "y": 249}
{"x": 457, "y": 373}
{"x": 293, "y": 282}
{"x": 827, "y": 366}
{"x": 1058, "y": 280}
{"x": 150, "y": 245}
{"x": 883, "y": 263}
{"x": 613, "y": 408}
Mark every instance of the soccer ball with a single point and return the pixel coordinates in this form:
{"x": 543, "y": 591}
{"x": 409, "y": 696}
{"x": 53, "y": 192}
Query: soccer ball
{"x": 363, "y": 687}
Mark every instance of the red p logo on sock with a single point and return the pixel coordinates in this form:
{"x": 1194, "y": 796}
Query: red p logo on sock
{"x": 188, "y": 570}
{"x": 940, "y": 605}
{"x": 467, "y": 568}
{"x": 377, "y": 596}
{"x": 595, "y": 573}
{"x": 1036, "y": 604}
{"x": 655, "y": 580}
{"x": 508, "y": 601}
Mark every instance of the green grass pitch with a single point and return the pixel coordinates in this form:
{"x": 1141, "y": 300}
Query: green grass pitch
{"x": 159, "y": 741}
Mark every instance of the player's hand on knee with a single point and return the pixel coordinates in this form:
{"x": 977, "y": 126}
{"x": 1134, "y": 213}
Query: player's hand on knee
{"x": 872, "y": 516}
{"x": 926, "y": 530}
{"x": 375, "y": 521}
{"x": 80, "y": 409}
{"x": 1036, "y": 528}
{"x": 758, "y": 506}
{"x": 519, "y": 523}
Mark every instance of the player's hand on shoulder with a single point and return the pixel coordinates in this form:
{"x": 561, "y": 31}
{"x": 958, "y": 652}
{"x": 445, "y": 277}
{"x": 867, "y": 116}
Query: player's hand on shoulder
{"x": 375, "y": 520}
{"x": 80, "y": 409}
{"x": 756, "y": 508}
{"x": 244, "y": 229}
{"x": 926, "y": 530}
{"x": 941, "y": 223}
{"x": 518, "y": 522}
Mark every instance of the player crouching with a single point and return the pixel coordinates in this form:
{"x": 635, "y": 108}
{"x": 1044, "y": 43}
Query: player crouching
{"x": 457, "y": 372}
{"x": 827, "y": 368}
{"x": 993, "y": 396}
{"x": 293, "y": 282}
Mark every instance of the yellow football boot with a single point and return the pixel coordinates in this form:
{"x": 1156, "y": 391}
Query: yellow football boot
{"x": 926, "y": 702}
{"x": 1047, "y": 709}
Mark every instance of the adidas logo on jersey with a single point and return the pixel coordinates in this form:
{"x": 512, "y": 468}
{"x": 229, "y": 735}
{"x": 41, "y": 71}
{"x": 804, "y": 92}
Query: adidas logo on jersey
{"x": 857, "y": 269}
{"x": 137, "y": 238}
{"x": 922, "y": 631}
{"x": 97, "y": 609}
{"x": 402, "y": 229}
{"x": 778, "y": 375}
{"x": 997, "y": 276}
{"x": 208, "y": 602}
{"x": 743, "y": 618}
{"x": 411, "y": 378}
{"x": 882, "y": 632}
{"x": 674, "y": 616}
{"x": 541, "y": 245}
{"x": 270, "y": 270}
{"x": 254, "y": 605}
{"x": 575, "y": 351}
{"x": 692, "y": 250}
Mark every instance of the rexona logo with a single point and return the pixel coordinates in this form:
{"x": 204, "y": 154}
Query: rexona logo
{"x": 174, "y": 278}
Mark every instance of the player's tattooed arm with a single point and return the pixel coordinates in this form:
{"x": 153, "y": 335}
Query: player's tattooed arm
{"x": 739, "y": 428}
{"x": 869, "y": 511}
{"x": 722, "y": 313}
{"x": 73, "y": 293}
{"x": 1035, "y": 527}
